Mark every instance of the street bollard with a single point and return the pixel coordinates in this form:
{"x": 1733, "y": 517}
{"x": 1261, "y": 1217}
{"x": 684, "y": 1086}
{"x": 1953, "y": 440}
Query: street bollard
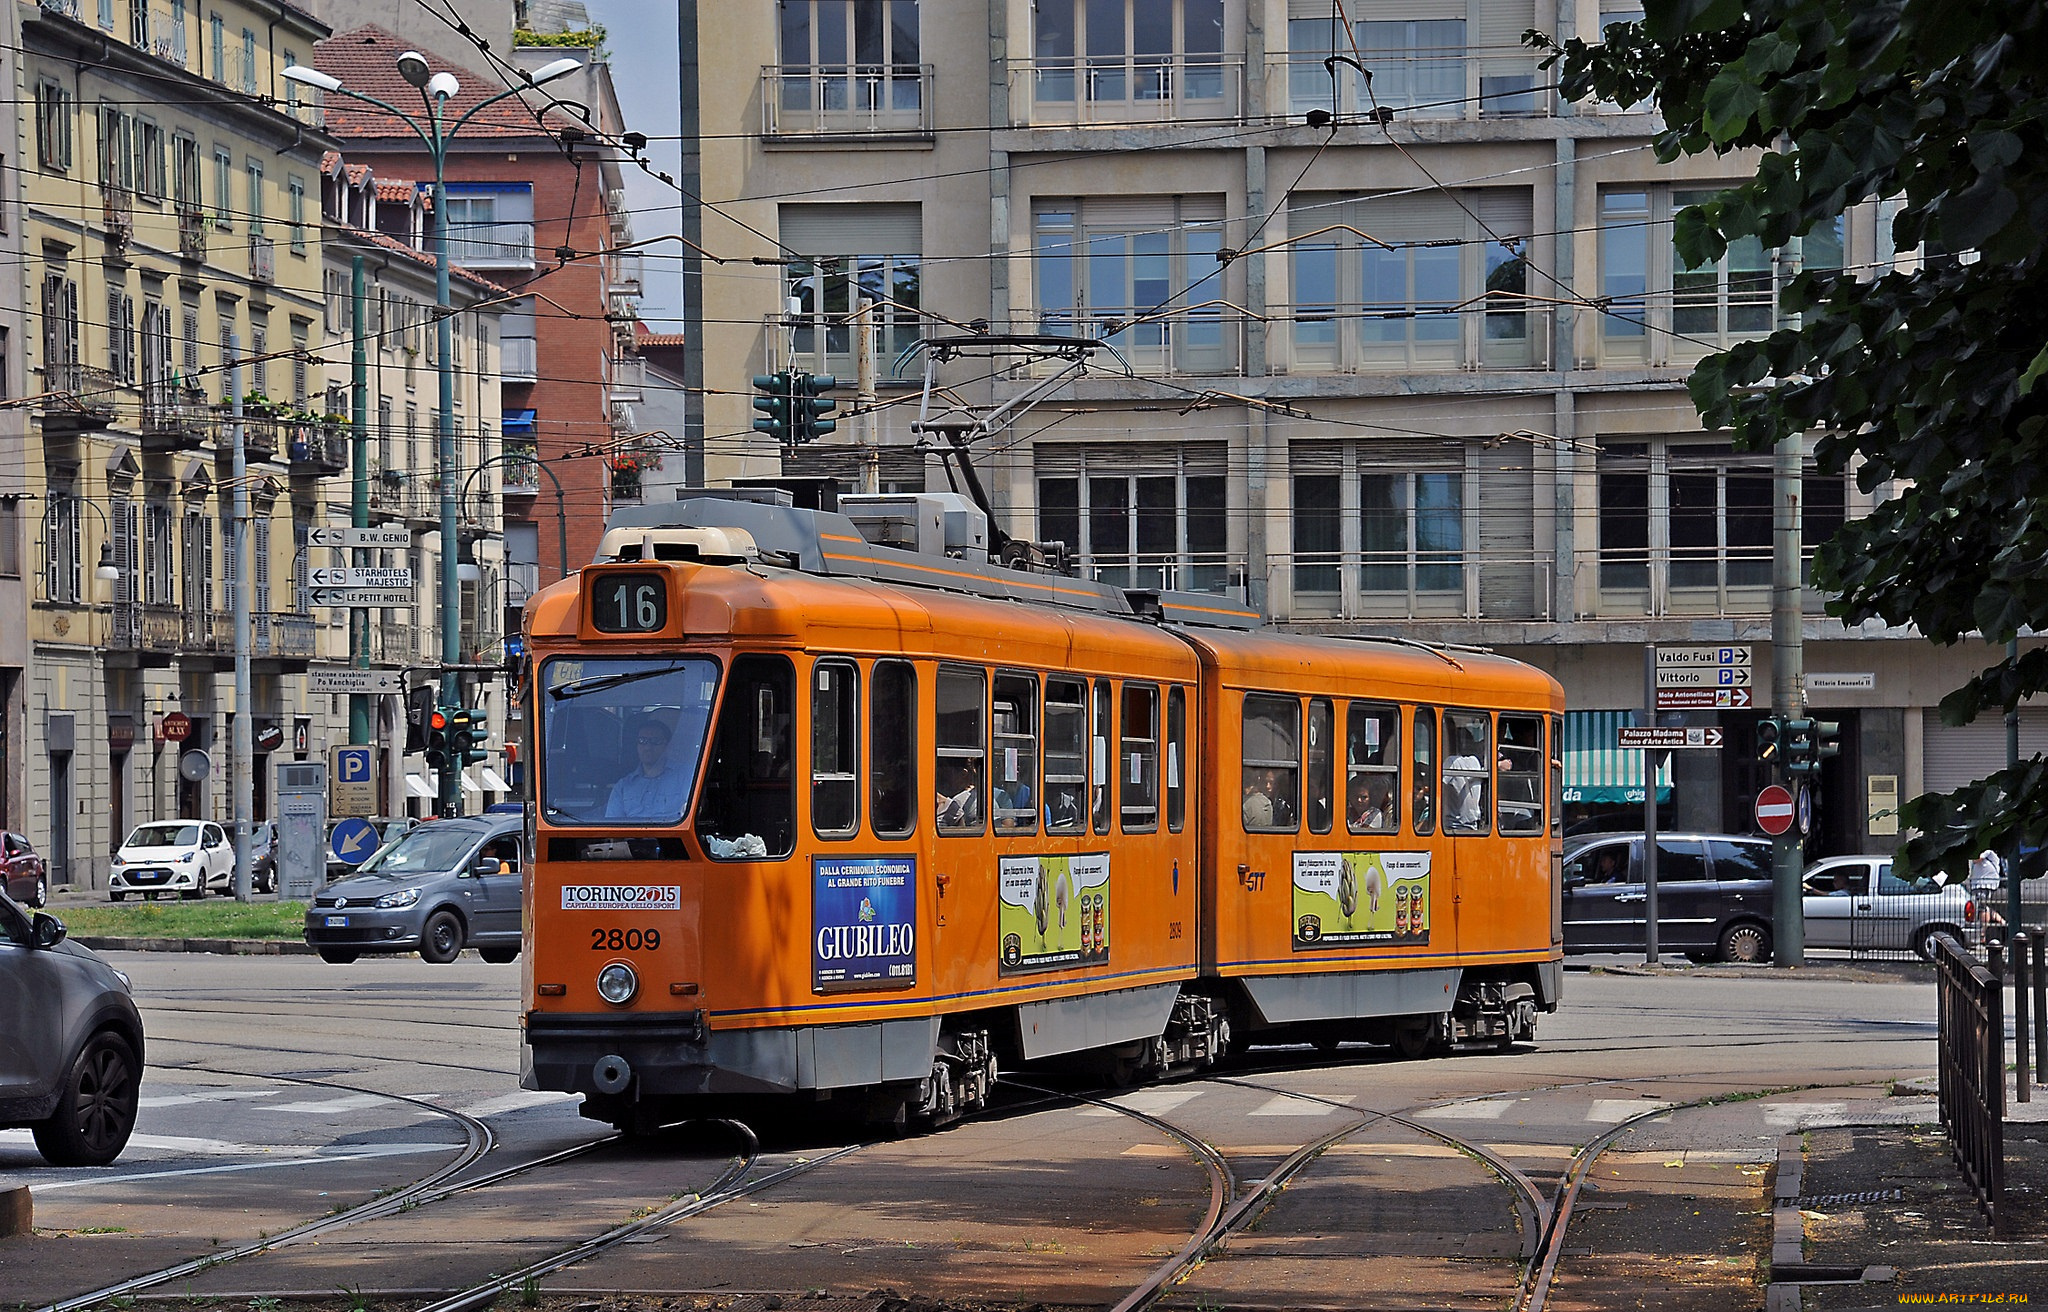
{"x": 2022, "y": 996}
{"x": 2039, "y": 973}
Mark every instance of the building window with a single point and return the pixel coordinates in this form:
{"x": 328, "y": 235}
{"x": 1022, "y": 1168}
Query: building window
{"x": 217, "y": 41}
{"x": 178, "y": 32}
{"x": 121, "y": 335}
{"x": 1412, "y": 532}
{"x": 152, "y": 180}
{"x": 248, "y": 78}
{"x": 1383, "y": 521}
{"x": 300, "y": 332}
{"x": 223, "y": 189}
{"x": 1128, "y": 53}
{"x": 295, "y": 190}
{"x": 1662, "y": 309}
{"x": 1624, "y": 478}
{"x": 848, "y": 64}
{"x": 53, "y": 126}
{"x": 1720, "y": 519}
{"x": 259, "y": 352}
{"x": 255, "y": 172}
{"x": 63, "y": 549}
{"x": 138, "y": 23}
{"x": 291, "y": 88}
{"x": 159, "y": 569}
{"x": 1150, "y": 517}
{"x": 60, "y": 332}
{"x": 1104, "y": 263}
{"x": 490, "y": 224}
{"x": 116, "y": 149}
{"x": 185, "y": 175}
{"x": 853, "y": 253}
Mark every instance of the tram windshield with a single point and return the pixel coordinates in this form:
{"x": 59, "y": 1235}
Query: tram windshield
{"x": 623, "y": 738}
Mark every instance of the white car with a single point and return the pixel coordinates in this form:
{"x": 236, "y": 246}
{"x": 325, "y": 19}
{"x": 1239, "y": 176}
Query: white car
{"x": 185, "y": 857}
{"x": 1856, "y": 902}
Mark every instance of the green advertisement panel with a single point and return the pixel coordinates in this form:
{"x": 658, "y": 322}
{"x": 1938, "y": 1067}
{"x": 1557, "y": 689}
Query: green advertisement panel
{"x": 1054, "y": 913}
{"x": 1344, "y": 899}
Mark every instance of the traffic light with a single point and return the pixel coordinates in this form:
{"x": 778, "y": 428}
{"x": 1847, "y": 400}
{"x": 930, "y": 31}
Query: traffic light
{"x": 1770, "y": 733}
{"x": 1827, "y": 741}
{"x": 776, "y": 404}
{"x": 813, "y": 412}
{"x": 437, "y": 739}
{"x": 467, "y": 730}
{"x": 1800, "y": 745}
{"x": 419, "y": 707}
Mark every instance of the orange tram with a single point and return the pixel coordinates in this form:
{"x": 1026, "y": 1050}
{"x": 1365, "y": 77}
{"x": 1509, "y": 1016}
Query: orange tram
{"x": 829, "y": 807}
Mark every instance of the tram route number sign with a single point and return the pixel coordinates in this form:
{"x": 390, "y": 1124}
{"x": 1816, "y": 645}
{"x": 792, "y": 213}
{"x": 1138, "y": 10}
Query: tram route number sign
{"x": 1705, "y": 699}
{"x": 1652, "y": 738}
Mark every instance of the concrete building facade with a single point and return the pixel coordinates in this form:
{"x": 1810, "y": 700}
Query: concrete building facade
{"x": 1401, "y": 356}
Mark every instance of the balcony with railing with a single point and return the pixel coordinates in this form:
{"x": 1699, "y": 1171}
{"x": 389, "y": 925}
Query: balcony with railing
{"x": 1447, "y": 82}
{"x": 317, "y": 449}
{"x": 78, "y": 397}
{"x": 419, "y": 500}
{"x": 1453, "y": 583}
{"x": 117, "y": 212}
{"x": 521, "y": 468}
{"x": 1359, "y": 338}
{"x": 1126, "y": 90}
{"x": 628, "y": 378}
{"x": 624, "y": 273}
{"x": 191, "y": 231}
{"x": 518, "y": 360}
{"x": 491, "y": 245}
{"x": 262, "y": 259}
{"x": 397, "y": 641}
{"x": 625, "y": 419}
{"x": 851, "y": 101}
{"x": 174, "y": 417}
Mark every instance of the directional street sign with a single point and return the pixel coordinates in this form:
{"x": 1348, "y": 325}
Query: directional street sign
{"x": 396, "y": 597}
{"x": 1658, "y": 739}
{"x": 359, "y": 537}
{"x": 1704, "y": 656}
{"x": 352, "y": 784}
{"x": 353, "y": 841}
{"x": 399, "y": 577}
{"x": 1704, "y": 699}
{"x": 1704, "y": 676}
{"x": 355, "y": 681}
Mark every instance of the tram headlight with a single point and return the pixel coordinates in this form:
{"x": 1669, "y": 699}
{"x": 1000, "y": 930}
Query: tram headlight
{"x": 617, "y": 983}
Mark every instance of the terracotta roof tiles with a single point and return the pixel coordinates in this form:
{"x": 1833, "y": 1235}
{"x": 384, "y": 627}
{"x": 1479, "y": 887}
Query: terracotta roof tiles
{"x": 366, "y": 60}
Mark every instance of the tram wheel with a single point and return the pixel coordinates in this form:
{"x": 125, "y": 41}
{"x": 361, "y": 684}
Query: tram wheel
{"x": 1414, "y": 1037}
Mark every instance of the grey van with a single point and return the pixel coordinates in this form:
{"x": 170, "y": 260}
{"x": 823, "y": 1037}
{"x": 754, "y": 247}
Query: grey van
{"x": 445, "y": 885}
{"x": 1713, "y": 896}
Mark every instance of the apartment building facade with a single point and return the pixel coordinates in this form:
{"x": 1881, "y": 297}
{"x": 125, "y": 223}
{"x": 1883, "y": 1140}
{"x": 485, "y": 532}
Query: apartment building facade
{"x": 169, "y": 227}
{"x": 1401, "y": 355}
{"x": 17, "y": 508}
{"x": 384, "y": 223}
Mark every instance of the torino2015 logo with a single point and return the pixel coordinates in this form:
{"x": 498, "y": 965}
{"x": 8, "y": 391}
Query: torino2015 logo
{"x": 622, "y": 897}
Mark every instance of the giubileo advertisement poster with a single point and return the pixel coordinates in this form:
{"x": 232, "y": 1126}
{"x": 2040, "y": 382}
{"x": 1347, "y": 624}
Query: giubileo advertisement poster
{"x": 863, "y": 923}
{"x": 1343, "y": 899}
{"x": 1054, "y": 913}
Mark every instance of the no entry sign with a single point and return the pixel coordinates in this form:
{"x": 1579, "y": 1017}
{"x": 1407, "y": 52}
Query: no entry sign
{"x": 1774, "y": 810}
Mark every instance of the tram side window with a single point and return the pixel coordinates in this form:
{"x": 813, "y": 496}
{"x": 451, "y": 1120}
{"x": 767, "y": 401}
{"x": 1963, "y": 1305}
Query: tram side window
{"x": 1556, "y": 776}
{"x": 1468, "y": 770}
{"x": 1322, "y": 731}
{"x": 1176, "y": 738}
{"x": 1424, "y": 771}
{"x": 1098, "y": 764}
{"x": 962, "y": 749}
{"x": 750, "y": 790}
{"x": 1015, "y": 722}
{"x": 892, "y": 748}
{"x": 1066, "y": 761}
{"x": 1521, "y": 774}
{"x": 1372, "y": 769}
{"x": 835, "y": 749}
{"x": 1138, "y": 759}
{"x": 1272, "y": 764}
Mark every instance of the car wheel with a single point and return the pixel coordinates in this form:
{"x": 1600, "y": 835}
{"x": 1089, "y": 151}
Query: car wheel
{"x": 116, "y": 897}
{"x": 1746, "y": 941}
{"x": 338, "y": 956}
{"x": 1923, "y": 941}
{"x": 95, "y": 1108}
{"x": 42, "y": 893}
{"x": 498, "y": 956}
{"x": 191, "y": 894}
{"x": 441, "y": 941}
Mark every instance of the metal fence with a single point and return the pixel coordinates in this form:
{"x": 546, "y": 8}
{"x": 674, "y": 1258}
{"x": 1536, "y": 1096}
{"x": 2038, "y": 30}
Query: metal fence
{"x": 1972, "y": 1071}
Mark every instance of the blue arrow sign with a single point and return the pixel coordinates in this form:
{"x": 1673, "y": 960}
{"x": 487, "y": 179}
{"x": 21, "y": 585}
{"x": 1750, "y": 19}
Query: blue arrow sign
{"x": 353, "y": 841}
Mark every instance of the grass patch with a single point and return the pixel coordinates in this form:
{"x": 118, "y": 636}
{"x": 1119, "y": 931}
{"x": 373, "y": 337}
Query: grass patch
{"x": 214, "y": 917}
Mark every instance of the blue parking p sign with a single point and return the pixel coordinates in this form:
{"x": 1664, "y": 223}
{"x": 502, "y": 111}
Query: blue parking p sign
{"x": 352, "y": 765}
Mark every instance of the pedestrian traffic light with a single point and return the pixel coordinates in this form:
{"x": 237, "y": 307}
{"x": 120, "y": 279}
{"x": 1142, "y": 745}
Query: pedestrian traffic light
{"x": 1770, "y": 733}
{"x": 1799, "y": 746}
{"x": 775, "y": 405}
{"x": 466, "y": 733}
{"x": 437, "y": 739}
{"x": 813, "y": 412}
{"x": 419, "y": 707}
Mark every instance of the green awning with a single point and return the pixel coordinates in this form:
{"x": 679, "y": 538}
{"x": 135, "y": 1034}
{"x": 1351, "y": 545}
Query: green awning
{"x": 1595, "y": 770}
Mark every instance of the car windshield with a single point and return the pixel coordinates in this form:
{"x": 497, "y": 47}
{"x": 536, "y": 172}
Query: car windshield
{"x": 428, "y": 850}
{"x": 623, "y": 738}
{"x": 163, "y": 836}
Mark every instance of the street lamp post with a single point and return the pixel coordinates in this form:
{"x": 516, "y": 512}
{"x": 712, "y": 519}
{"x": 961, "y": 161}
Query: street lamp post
{"x": 436, "y": 90}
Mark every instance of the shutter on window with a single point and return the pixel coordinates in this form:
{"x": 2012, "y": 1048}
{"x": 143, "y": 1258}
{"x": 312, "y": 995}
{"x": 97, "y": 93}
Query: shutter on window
{"x": 70, "y": 322}
{"x": 1507, "y": 527}
{"x": 1506, "y": 211}
{"x": 1429, "y": 216}
{"x": 901, "y": 465}
{"x": 1395, "y": 11}
{"x": 1129, "y": 212}
{"x": 1315, "y": 458}
{"x": 75, "y": 565}
{"x": 206, "y": 564}
{"x": 852, "y": 229}
{"x": 123, "y": 520}
{"x": 1501, "y": 24}
{"x": 1394, "y": 456}
{"x": 1074, "y": 459}
{"x": 259, "y": 564}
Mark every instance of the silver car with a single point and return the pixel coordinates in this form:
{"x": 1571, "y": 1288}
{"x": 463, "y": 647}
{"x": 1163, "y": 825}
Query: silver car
{"x": 444, "y": 886}
{"x": 1856, "y": 902}
{"x": 70, "y": 1042}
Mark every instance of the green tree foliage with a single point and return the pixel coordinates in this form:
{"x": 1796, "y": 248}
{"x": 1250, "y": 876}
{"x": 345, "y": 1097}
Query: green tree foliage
{"x": 1932, "y": 377}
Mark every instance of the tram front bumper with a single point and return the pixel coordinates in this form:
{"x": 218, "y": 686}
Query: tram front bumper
{"x": 623, "y": 1054}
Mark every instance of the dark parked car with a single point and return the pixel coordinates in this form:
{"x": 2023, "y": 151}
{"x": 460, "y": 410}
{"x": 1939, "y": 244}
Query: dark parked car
{"x": 26, "y": 878}
{"x": 1713, "y": 896}
{"x": 70, "y": 1042}
{"x": 444, "y": 886}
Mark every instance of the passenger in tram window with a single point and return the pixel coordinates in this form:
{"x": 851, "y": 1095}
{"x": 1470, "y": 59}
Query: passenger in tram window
{"x": 1013, "y": 805}
{"x": 1280, "y": 788}
{"x": 656, "y": 789}
{"x": 1371, "y": 799}
{"x": 1465, "y": 783}
{"x": 959, "y": 802}
{"x": 1063, "y": 806}
{"x": 1258, "y": 804}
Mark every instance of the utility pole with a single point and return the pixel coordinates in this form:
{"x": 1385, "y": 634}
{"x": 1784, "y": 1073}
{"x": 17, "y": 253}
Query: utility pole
{"x": 359, "y": 500}
{"x": 241, "y": 749}
{"x": 864, "y": 397}
{"x": 1788, "y": 697}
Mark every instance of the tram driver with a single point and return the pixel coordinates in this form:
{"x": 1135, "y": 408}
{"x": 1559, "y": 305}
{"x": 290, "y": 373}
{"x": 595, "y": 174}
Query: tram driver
{"x": 656, "y": 788}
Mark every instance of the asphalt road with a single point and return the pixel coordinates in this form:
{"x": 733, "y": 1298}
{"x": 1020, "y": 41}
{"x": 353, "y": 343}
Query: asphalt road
{"x": 282, "y": 1088}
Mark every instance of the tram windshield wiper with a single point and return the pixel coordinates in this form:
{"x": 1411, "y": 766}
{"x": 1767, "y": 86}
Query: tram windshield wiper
{"x": 600, "y": 682}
